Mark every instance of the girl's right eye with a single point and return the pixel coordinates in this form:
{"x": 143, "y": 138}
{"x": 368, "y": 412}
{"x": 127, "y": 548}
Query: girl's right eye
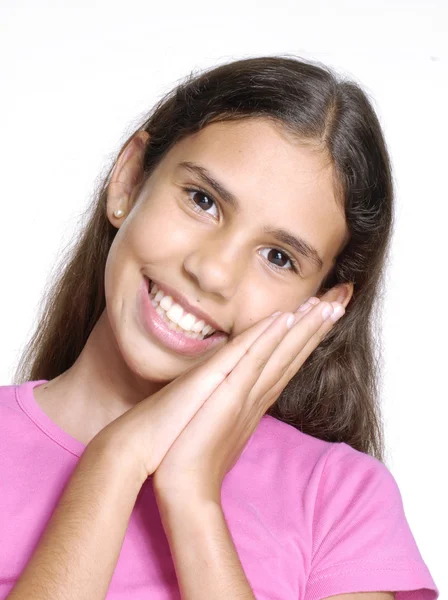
{"x": 192, "y": 202}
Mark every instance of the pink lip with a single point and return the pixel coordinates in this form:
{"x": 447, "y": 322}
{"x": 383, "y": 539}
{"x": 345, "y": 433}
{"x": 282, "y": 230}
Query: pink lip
{"x": 158, "y": 328}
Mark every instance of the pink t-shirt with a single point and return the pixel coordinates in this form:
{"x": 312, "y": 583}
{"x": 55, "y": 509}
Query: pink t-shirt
{"x": 310, "y": 519}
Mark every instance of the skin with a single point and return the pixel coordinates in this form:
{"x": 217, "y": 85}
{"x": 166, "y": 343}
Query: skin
{"x": 217, "y": 259}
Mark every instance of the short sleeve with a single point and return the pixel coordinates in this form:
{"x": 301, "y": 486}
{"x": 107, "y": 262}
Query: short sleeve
{"x": 361, "y": 538}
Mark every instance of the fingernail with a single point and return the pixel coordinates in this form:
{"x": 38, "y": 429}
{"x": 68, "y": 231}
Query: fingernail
{"x": 339, "y": 310}
{"x": 327, "y": 311}
{"x": 276, "y": 313}
{"x": 306, "y": 305}
{"x": 290, "y": 321}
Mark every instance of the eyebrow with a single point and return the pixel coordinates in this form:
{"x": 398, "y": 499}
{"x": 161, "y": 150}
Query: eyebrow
{"x": 286, "y": 237}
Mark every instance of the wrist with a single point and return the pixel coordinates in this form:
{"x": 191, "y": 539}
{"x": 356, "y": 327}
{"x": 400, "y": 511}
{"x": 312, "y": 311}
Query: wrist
{"x": 186, "y": 512}
{"x": 116, "y": 455}
{"x": 174, "y": 497}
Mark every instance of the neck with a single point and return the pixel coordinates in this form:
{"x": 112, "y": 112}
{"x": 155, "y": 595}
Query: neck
{"x": 97, "y": 389}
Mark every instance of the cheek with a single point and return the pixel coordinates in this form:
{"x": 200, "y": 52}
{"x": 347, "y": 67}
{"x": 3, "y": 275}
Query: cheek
{"x": 147, "y": 237}
{"x": 267, "y": 300}
{"x": 161, "y": 231}
{"x": 116, "y": 260}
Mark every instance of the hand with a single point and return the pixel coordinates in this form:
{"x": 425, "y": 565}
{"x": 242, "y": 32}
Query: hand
{"x": 253, "y": 369}
{"x": 142, "y": 436}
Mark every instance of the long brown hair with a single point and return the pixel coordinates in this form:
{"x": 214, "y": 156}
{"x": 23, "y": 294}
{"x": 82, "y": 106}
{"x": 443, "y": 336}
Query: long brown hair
{"x": 334, "y": 395}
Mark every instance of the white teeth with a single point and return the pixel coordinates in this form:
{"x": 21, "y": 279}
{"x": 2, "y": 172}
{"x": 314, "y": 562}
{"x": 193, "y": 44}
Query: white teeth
{"x": 176, "y": 318}
{"x": 175, "y": 327}
{"x": 198, "y": 326}
{"x": 175, "y": 312}
{"x": 207, "y": 329}
{"x": 166, "y": 302}
{"x": 187, "y": 322}
{"x": 158, "y": 296}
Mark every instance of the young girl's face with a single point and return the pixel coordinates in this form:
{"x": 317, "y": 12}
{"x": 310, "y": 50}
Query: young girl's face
{"x": 222, "y": 256}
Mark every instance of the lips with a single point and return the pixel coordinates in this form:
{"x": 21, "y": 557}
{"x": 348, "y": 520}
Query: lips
{"x": 157, "y": 328}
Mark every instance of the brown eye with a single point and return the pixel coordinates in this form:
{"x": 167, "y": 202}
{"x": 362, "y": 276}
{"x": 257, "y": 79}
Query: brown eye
{"x": 202, "y": 198}
{"x": 274, "y": 253}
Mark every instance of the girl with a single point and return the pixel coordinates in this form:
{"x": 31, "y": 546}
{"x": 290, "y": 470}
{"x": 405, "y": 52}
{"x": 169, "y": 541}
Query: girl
{"x": 193, "y": 418}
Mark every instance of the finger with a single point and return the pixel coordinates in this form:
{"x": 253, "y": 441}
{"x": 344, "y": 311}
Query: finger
{"x": 210, "y": 374}
{"x": 165, "y": 414}
{"x": 299, "y": 360}
{"x": 321, "y": 333}
{"x": 292, "y": 352}
{"x": 207, "y": 379}
{"x": 239, "y": 383}
{"x": 202, "y": 380}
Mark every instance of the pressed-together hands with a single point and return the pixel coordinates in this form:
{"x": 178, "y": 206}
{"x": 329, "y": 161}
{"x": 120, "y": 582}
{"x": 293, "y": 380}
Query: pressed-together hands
{"x": 192, "y": 432}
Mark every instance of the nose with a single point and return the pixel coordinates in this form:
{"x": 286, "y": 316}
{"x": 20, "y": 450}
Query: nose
{"x": 216, "y": 267}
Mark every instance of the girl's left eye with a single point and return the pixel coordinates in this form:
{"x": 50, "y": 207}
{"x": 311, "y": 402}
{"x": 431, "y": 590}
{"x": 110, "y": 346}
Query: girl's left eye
{"x": 294, "y": 264}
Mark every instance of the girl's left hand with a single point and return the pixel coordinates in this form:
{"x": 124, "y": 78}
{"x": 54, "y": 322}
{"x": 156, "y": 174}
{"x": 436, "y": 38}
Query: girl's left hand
{"x": 211, "y": 443}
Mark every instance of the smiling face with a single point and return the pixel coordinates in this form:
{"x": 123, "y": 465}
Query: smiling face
{"x": 218, "y": 248}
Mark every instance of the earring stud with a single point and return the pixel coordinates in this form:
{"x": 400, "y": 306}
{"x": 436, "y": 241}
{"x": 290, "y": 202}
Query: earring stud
{"x": 118, "y": 213}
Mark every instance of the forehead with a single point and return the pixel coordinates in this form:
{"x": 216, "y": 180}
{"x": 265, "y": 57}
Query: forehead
{"x": 277, "y": 181}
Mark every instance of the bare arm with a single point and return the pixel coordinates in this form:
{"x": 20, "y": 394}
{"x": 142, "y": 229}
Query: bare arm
{"x": 205, "y": 558}
{"x": 78, "y": 551}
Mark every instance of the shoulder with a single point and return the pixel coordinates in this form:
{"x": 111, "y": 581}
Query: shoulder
{"x": 349, "y": 469}
{"x": 362, "y": 540}
{"x": 338, "y": 473}
{"x": 8, "y": 399}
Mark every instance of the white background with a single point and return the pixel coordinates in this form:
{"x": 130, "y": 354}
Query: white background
{"x": 76, "y": 76}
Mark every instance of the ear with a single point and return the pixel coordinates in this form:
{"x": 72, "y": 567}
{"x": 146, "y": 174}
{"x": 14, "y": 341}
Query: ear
{"x": 126, "y": 175}
{"x": 342, "y": 293}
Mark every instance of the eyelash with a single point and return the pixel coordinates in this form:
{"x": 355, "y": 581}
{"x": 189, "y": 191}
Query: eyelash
{"x": 295, "y": 265}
